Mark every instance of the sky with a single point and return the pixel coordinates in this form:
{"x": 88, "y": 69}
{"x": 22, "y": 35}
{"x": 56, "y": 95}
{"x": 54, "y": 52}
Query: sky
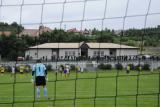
{"x": 81, "y": 14}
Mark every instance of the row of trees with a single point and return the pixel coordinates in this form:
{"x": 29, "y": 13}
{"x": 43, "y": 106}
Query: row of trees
{"x": 13, "y": 27}
{"x": 11, "y": 47}
{"x": 145, "y": 67}
{"x": 150, "y": 36}
{"x": 62, "y": 36}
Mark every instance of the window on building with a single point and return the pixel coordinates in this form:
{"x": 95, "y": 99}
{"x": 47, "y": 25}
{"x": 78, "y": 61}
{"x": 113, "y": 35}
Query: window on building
{"x": 98, "y": 53}
{"x": 95, "y": 53}
{"x": 102, "y": 53}
{"x": 66, "y": 53}
{"x": 74, "y": 53}
{"x": 70, "y": 53}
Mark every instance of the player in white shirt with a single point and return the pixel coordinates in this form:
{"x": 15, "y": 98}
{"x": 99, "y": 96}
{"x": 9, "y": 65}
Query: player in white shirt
{"x": 67, "y": 71}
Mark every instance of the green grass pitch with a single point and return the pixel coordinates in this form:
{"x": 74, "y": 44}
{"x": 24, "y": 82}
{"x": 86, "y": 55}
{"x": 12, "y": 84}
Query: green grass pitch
{"x": 64, "y": 93}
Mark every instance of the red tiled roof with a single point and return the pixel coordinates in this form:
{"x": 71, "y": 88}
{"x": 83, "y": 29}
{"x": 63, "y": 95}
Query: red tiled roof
{"x": 6, "y": 33}
{"x": 35, "y": 32}
{"x": 74, "y": 30}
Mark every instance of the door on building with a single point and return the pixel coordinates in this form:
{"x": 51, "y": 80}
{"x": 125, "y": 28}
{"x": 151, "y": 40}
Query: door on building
{"x": 84, "y": 50}
{"x": 112, "y": 52}
{"x": 54, "y": 54}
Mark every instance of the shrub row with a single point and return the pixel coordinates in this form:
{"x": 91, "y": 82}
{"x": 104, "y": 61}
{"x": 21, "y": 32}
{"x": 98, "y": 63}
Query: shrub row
{"x": 121, "y": 67}
{"x": 100, "y": 66}
{"x": 105, "y": 66}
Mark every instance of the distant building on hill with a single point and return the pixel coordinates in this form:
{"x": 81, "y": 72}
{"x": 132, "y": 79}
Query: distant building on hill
{"x": 35, "y": 32}
{"x": 118, "y": 32}
{"x": 85, "y": 31}
{"x": 6, "y": 33}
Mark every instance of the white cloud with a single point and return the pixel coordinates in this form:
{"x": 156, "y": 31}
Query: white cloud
{"x": 12, "y": 2}
{"x": 115, "y": 9}
{"x": 33, "y": 1}
{"x": 73, "y": 11}
{"x": 134, "y": 22}
{"x": 113, "y": 23}
{"x": 155, "y": 6}
{"x": 52, "y": 13}
{"x": 10, "y": 14}
{"x": 92, "y": 24}
{"x": 138, "y": 7}
{"x": 31, "y": 14}
{"x": 95, "y": 9}
{"x": 153, "y": 20}
{"x": 54, "y": 1}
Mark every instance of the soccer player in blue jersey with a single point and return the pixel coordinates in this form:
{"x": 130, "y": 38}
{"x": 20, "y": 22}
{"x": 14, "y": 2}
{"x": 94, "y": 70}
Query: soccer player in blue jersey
{"x": 39, "y": 73}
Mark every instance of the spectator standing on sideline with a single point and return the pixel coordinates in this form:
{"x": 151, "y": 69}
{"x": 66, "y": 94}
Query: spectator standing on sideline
{"x": 13, "y": 70}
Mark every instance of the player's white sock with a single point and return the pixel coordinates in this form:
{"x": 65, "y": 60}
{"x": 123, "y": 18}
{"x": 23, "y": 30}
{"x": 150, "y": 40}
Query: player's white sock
{"x": 45, "y": 92}
{"x": 38, "y": 92}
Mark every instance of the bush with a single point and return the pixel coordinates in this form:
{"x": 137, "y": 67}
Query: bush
{"x": 89, "y": 65}
{"x": 146, "y": 67}
{"x": 105, "y": 66}
{"x": 132, "y": 67}
{"x": 101, "y": 66}
{"x": 72, "y": 67}
{"x": 138, "y": 67}
{"x": 28, "y": 68}
{"x": 49, "y": 67}
{"x": 8, "y": 68}
{"x": 108, "y": 66}
{"x": 119, "y": 66}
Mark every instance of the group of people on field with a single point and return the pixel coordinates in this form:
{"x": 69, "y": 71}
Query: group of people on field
{"x": 64, "y": 69}
{"x": 3, "y": 69}
{"x": 39, "y": 75}
{"x": 15, "y": 68}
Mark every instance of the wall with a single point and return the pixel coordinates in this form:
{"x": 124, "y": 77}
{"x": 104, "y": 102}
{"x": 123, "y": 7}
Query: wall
{"x": 91, "y": 51}
{"x": 127, "y": 52}
{"x": 41, "y": 53}
{"x": 62, "y": 51}
{"x": 48, "y": 52}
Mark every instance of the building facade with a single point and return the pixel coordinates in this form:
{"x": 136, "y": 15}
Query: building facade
{"x": 35, "y": 32}
{"x": 50, "y": 51}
